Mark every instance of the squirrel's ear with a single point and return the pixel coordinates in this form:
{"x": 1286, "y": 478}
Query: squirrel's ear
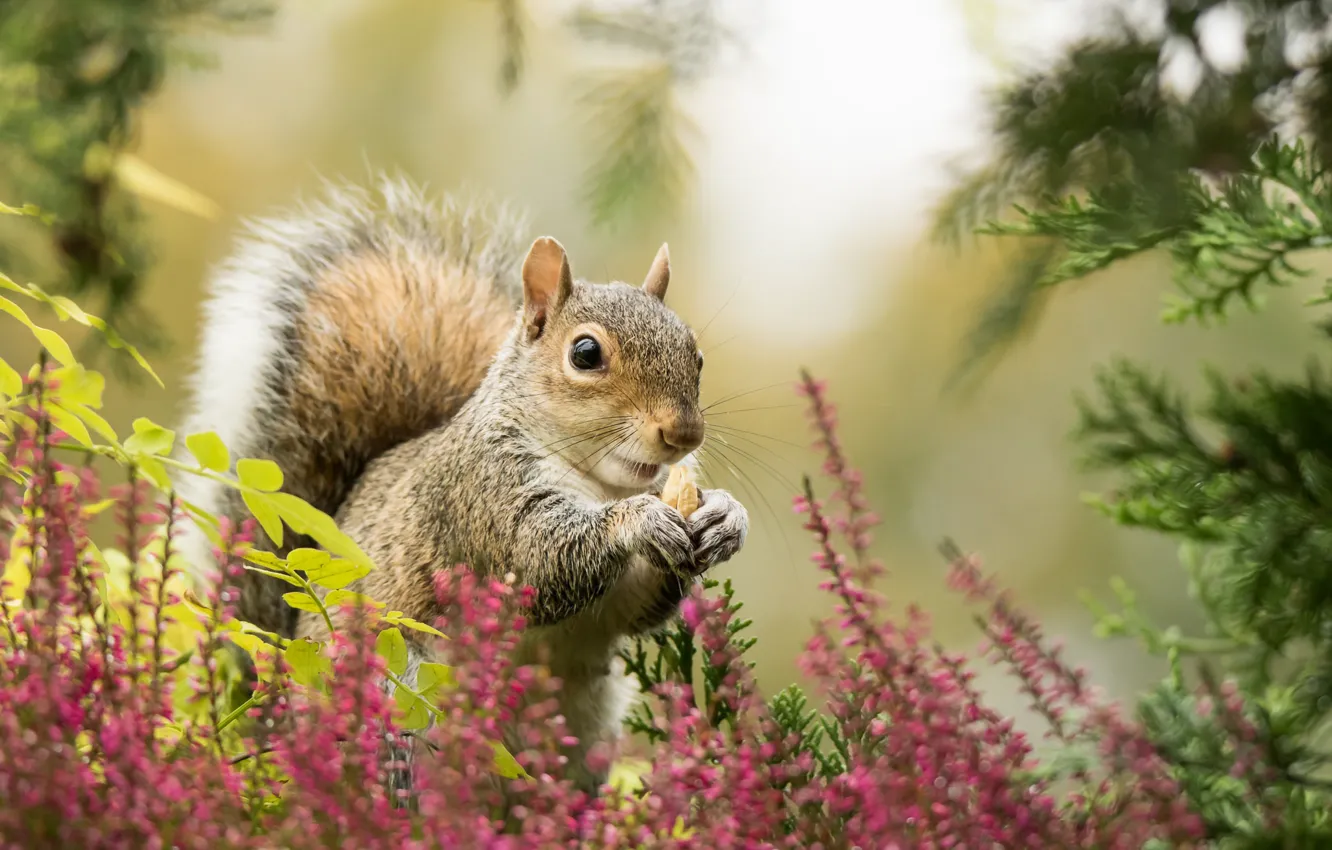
{"x": 659, "y": 276}
{"x": 547, "y": 282}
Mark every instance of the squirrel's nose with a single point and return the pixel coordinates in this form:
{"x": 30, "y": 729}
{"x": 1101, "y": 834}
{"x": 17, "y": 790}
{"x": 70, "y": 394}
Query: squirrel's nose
{"x": 682, "y": 433}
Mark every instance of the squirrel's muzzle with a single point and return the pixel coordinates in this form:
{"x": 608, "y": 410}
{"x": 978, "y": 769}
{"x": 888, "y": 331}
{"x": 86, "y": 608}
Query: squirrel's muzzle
{"x": 681, "y": 434}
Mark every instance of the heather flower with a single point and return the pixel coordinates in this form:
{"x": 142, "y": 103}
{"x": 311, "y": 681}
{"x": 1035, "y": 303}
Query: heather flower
{"x": 126, "y": 723}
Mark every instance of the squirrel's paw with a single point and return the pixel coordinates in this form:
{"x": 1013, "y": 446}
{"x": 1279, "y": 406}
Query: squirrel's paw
{"x": 657, "y": 531}
{"x": 717, "y": 529}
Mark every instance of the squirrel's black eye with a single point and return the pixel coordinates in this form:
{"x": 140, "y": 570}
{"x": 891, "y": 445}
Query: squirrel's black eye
{"x": 585, "y": 354}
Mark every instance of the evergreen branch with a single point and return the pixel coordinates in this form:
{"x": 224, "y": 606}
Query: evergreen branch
{"x": 643, "y": 165}
{"x": 513, "y": 42}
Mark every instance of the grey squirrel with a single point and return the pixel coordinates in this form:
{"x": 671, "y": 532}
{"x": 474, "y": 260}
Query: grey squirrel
{"x": 451, "y": 400}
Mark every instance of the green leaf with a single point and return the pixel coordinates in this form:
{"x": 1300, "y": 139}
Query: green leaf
{"x": 301, "y": 601}
{"x": 259, "y": 474}
{"x": 69, "y": 423}
{"x": 304, "y": 518}
{"x": 304, "y": 560}
{"x": 307, "y": 661}
{"x": 209, "y": 450}
{"x": 337, "y": 574}
{"x": 252, "y": 644}
{"x": 431, "y": 677}
{"x": 266, "y": 559}
{"x": 78, "y": 385}
{"x": 280, "y": 576}
{"x": 67, "y": 309}
{"x": 149, "y": 438}
{"x": 345, "y": 597}
{"x": 261, "y": 505}
{"x": 11, "y": 382}
{"x": 391, "y": 647}
{"x": 505, "y": 764}
{"x": 49, "y": 339}
{"x": 397, "y": 619}
{"x": 155, "y": 473}
{"x": 92, "y": 420}
{"x": 415, "y": 714}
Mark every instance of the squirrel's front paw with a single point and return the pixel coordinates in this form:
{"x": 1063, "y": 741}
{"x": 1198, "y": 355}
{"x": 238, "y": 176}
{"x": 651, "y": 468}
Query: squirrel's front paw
{"x": 658, "y": 532}
{"x": 717, "y": 529}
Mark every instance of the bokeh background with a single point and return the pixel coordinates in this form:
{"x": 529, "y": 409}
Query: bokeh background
{"x": 823, "y": 137}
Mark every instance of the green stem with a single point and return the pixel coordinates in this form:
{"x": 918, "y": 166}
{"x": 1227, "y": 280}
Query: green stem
{"x": 238, "y": 712}
{"x": 400, "y": 683}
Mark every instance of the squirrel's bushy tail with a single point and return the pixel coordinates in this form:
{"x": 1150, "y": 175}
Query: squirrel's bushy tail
{"x": 336, "y": 333}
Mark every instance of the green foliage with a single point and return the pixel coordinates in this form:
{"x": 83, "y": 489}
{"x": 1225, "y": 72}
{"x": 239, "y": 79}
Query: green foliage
{"x": 671, "y": 655}
{"x": 814, "y": 732}
{"x": 1113, "y": 166}
{"x": 643, "y": 163}
{"x": 71, "y": 395}
{"x": 72, "y": 75}
{"x": 1153, "y": 166}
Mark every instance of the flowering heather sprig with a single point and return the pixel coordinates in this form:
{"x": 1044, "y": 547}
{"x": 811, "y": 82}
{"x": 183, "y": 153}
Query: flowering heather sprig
{"x": 1138, "y": 788}
{"x": 99, "y": 750}
{"x": 858, "y": 518}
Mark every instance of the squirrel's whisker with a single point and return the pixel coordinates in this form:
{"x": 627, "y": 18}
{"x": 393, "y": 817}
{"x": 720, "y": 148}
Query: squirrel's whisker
{"x": 617, "y": 423}
{"x": 747, "y": 435}
{"x": 762, "y": 464}
{"x": 608, "y": 448}
{"x": 712, "y": 348}
{"x": 752, "y": 409}
{"x": 609, "y": 431}
{"x": 720, "y": 309}
{"x": 749, "y": 486}
{"x": 733, "y": 397}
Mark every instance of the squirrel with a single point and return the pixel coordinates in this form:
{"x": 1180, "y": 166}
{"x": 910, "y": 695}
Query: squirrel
{"x": 450, "y": 400}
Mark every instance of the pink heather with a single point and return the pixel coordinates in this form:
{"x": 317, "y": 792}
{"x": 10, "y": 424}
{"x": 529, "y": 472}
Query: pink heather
{"x": 98, "y": 751}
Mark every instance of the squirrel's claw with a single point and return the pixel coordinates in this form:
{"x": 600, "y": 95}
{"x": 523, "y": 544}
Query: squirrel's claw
{"x": 718, "y": 528}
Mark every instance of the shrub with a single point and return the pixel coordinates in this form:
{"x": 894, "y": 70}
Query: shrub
{"x": 128, "y": 723}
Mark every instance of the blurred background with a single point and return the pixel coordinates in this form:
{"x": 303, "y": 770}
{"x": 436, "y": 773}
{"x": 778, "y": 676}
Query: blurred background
{"x": 815, "y": 142}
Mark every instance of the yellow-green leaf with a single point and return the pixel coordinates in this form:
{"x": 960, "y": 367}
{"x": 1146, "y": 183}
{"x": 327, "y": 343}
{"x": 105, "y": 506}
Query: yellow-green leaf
{"x": 306, "y": 560}
{"x": 304, "y": 518}
{"x": 265, "y": 559}
{"x": 144, "y": 180}
{"x": 67, "y": 309}
{"x": 11, "y": 382}
{"x": 250, "y": 643}
{"x": 347, "y": 597}
{"x": 337, "y": 574}
{"x": 505, "y": 764}
{"x": 391, "y": 647}
{"x": 307, "y": 661}
{"x": 69, "y": 423}
{"x": 294, "y": 582}
{"x": 415, "y": 714}
{"x": 430, "y": 677}
{"x": 301, "y": 601}
{"x": 261, "y": 505}
{"x": 149, "y": 438}
{"x": 98, "y": 507}
{"x": 209, "y": 450}
{"x": 626, "y": 775}
{"x": 151, "y": 468}
{"x": 259, "y": 474}
{"x": 49, "y": 339}
{"x": 417, "y": 625}
{"x": 76, "y": 384}
{"x": 92, "y": 420}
